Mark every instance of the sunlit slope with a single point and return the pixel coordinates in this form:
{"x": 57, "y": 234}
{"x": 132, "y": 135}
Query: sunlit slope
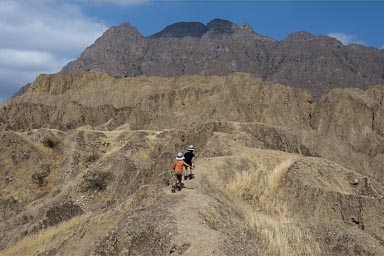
{"x": 258, "y": 191}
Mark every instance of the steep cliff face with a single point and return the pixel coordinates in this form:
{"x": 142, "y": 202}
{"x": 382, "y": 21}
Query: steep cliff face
{"x": 345, "y": 126}
{"x": 337, "y": 203}
{"x": 304, "y": 60}
{"x": 151, "y": 102}
{"x": 353, "y": 118}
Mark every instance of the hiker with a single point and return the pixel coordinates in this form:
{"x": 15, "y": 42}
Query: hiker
{"x": 178, "y": 167}
{"x": 188, "y": 158}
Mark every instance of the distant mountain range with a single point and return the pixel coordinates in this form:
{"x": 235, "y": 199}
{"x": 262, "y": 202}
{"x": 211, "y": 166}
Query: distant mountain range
{"x": 304, "y": 60}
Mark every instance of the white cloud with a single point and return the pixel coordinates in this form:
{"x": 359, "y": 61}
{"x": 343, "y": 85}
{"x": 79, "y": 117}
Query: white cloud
{"x": 62, "y": 28}
{"x": 40, "y": 37}
{"x": 346, "y": 38}
{"x": 18, "y": 67}
{"x": 29, "y": 60}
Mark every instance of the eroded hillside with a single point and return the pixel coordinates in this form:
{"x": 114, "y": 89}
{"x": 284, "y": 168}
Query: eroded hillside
{"x": 85, "y": 160}
{"x": 345, "y": 126}
{"x": 104, "y": 194}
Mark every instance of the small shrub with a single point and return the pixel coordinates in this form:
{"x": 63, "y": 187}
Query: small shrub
{"x": 96, "y": 180}
{"x": 49, "y": 142}
{"x": 39, "y": 177}
{"x": 92, "y": 158}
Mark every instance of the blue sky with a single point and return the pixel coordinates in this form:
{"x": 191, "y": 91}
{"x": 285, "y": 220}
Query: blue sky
{"x": 41, "y": 36}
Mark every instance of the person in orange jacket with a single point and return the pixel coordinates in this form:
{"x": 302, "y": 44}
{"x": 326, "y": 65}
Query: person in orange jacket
{"x": 178, "y": 166}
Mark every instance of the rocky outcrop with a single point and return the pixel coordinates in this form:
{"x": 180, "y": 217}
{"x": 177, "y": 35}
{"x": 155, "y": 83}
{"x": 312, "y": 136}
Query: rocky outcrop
{"x": 60, "y": 213}
{"x": 9, "y": 206}
{"x": 182, "y": 29}
{"x": 354, "y": 119}
{"x": 304, "y": 60}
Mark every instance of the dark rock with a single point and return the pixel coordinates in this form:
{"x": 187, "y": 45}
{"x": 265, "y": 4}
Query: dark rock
{"x": 220, "y": 26}
{"x": 60, "y": 213}
{"x": 182, "y": 29}
{"x": 9, "y": 207}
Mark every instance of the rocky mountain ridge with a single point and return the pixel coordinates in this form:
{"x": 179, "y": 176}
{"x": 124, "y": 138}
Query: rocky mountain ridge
{"x": 304, "y": 60}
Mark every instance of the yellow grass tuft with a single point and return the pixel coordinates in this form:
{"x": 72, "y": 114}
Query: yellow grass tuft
{"x": 281, "y": 235}
{"x": 259, "y": 186}
{"x": 258, "y": 190}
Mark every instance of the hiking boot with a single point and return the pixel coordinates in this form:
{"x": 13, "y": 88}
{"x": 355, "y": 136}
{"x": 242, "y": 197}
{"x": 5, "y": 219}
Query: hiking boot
{"x": 173, "y": 188}
{"x": 185, "y": 177}
{"x": 192, "y": 176}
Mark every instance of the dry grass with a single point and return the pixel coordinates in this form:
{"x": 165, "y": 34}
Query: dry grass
{"x": 258, "y": 190}
{"x": 259, "y": 186}
{"x": 282, "y": 236}
{"x": 23, "y": 186}
{"x": 210, "y": 215}
{"x": 44, "y": 151}
{"x": 46, "y": 239}
{"x": 22, "y": 160}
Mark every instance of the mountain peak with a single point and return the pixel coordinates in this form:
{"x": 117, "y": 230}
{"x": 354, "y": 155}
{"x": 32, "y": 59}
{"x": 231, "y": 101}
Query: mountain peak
{"x": 245, "y": 26}
{"x": 182, "y": 29}
{"x": 123, "y": 30}
{"x": 122, "y": 27}
{"x": 221, "y": 26}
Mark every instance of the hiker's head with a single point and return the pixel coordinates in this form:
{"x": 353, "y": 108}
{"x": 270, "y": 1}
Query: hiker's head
{"x": 180, "y": 156}
{"x": 191, "y": 148}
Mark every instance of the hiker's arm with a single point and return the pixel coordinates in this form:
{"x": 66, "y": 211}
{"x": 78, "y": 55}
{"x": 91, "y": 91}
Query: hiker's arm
{"x": 187, "y": 164}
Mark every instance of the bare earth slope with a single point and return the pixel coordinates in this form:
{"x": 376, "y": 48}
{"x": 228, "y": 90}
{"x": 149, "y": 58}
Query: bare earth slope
{"x": 246, "y": 200}
{"x": 85, "y": 158}
{"x": 304, "y": 60}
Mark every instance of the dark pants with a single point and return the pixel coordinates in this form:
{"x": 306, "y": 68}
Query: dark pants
{"x": 179, "y": 176}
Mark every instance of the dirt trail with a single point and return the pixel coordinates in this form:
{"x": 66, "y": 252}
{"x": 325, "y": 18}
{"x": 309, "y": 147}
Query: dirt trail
{"x": 194, "y": 236}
